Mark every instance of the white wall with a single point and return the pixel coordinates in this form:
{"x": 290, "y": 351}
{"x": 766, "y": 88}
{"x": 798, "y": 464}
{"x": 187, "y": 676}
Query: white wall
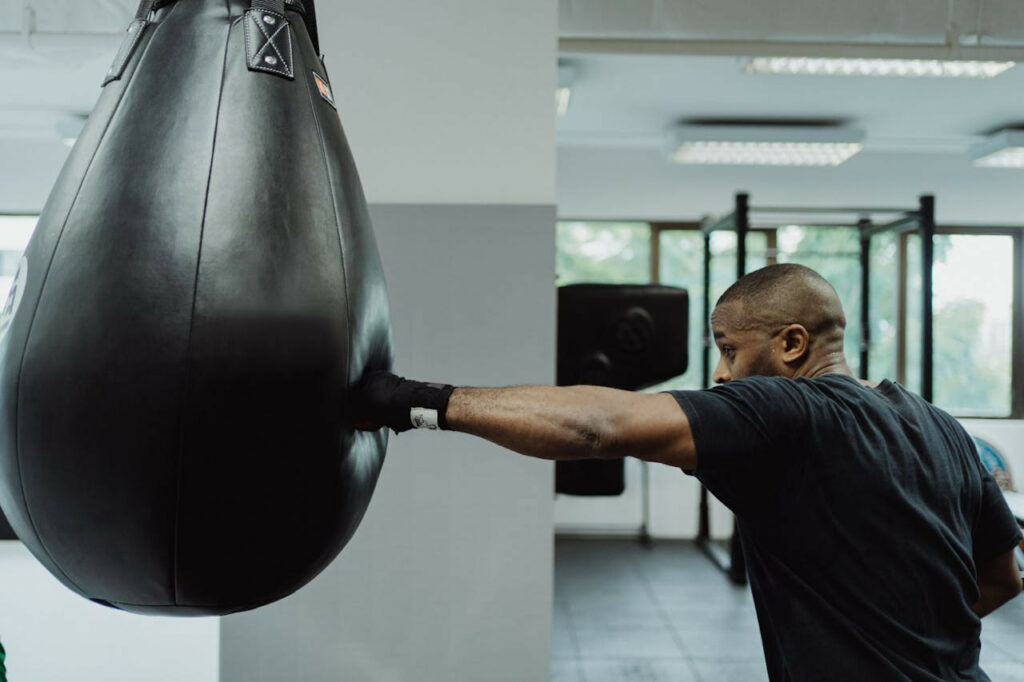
{"x": 53, "y": 635}
{"x": 447, "y": 101}
{"x": 450, "y": 575}
{"x": 1007, "y": 435}
{"x": 449, "y": 109}
{"x": 28, "y": 169}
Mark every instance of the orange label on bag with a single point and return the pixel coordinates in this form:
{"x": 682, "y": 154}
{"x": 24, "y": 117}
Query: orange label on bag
{"x": 325, "y": 88}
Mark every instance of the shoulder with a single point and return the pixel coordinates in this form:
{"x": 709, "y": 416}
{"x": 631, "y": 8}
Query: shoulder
{"x": 755, "y": 397}
{"x": 766, "y": 388}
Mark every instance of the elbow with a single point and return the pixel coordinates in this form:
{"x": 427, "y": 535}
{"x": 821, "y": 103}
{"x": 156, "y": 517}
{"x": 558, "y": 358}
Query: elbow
{"x": 592, "y": 443}
{"x": 597, "y": 438}
{"x": 1009, "y": 591}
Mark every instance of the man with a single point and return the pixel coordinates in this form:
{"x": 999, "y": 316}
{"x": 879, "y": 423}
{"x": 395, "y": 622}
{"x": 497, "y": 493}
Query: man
{"x": 875, "y": 540}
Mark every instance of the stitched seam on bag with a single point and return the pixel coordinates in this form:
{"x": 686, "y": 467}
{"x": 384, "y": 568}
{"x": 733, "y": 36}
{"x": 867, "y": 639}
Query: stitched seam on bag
{"x": 337, "y": 228}
{"x": 192, "y": 314}
{"x": 42, "y": 291}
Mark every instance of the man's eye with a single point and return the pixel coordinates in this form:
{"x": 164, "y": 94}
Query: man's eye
{"x": 727, "y": 351}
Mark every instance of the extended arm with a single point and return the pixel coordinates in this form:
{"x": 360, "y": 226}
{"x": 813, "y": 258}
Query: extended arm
{"x": 548, "y": 422}
{"x": 576, "y": 422}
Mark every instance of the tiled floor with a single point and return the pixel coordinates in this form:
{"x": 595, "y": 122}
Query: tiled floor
{"x": 628, "y": 614}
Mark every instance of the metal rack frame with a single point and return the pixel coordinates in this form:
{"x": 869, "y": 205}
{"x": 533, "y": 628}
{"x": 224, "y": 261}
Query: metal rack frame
{"x": 900, "y": 220}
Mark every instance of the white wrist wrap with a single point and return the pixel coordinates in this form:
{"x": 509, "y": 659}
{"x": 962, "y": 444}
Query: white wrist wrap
{"x": 423, "y": 418}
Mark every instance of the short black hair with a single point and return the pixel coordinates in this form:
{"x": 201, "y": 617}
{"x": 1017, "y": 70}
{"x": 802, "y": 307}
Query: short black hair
{"x": 787, "y": 293}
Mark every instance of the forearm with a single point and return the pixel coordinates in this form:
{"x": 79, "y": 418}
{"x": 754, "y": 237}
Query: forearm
{"x": 992, "y": 597}
{"x": 571, "y": 422}
{"x": 568, "y": 422}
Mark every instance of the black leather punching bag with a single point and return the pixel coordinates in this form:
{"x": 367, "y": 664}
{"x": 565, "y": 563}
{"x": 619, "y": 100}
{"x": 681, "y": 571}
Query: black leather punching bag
{"x": 201, "y": 290}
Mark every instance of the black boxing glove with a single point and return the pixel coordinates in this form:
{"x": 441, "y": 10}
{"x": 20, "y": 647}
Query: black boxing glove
{"x": 383, "y": 399}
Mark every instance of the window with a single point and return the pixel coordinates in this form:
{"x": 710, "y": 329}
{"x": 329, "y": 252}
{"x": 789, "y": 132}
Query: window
{"x": 974, "y": 299}
{"x": 884, "y": 303}
{"x": 681, "y": 264}
{"x": 603, "y": 253}
{"x": 14, "y": 235}
{"x": 973, "y": 302}
{"x": 834, "y": 252}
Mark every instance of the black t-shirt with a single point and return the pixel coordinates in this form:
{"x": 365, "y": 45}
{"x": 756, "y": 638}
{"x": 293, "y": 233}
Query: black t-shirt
{"x": 862, "y": 512}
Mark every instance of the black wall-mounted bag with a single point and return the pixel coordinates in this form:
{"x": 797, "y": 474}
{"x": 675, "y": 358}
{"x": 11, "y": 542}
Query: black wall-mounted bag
{"x": 201, "y": 290}
{"x": 619, "y": 335}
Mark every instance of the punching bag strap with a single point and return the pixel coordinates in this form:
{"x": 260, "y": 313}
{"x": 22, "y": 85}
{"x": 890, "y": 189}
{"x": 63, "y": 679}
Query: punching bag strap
{"x": 314, "y": 34}
{"x": 146, "y": 7}
{"x": 131, "y": 41}
{"x": 268, "y": 39}
{"x": 269, "y": 5}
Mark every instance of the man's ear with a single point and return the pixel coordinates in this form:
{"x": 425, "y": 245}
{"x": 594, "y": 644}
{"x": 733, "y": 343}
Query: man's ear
{"x": 796, "y": 343}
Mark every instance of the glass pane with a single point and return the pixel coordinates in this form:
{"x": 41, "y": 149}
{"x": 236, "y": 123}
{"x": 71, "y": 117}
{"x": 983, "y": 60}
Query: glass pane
{"x": 14, "y": 235}
{"x": 681, "y": 264}
{"x": 681, "y": 256}
{"x": 915, "y": 307}
{"x": 973, "y": 295}
{"x": 833, "y": 252}
{"x": 884, "y": 306}
{"x": 603, "y": 253}
{"x": 723, "y": 259}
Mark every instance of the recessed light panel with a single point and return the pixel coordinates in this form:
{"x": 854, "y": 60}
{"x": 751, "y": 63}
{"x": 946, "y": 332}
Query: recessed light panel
{"x": 765, "y": 153}
{"x": 1004, "y": 149}
{"x": 767, "y": 145}
{"x": 922, "y": 68}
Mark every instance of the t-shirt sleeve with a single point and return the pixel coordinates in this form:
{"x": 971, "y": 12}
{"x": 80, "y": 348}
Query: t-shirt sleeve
{"x": 996, "y": 531}
{"x": 743, "y": 431}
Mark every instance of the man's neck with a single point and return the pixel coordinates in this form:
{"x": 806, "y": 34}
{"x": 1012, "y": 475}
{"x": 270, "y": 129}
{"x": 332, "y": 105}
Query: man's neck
{"x": 832, "y": 363}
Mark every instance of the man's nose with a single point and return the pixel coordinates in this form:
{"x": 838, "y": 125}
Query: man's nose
{"x": 721, "y": 374}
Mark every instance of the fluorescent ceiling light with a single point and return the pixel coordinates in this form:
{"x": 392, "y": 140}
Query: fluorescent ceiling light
{"x": 822, "y": 66}
{"x": 1005, "y": 149}
{"x": 766, "y": 145}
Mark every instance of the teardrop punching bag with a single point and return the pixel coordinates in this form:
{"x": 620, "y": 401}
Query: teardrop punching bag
{"x": 201, "y": 290}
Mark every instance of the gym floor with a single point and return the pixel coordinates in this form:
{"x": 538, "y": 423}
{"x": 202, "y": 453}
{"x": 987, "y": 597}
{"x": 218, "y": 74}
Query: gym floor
{"x": 628, "y": 614}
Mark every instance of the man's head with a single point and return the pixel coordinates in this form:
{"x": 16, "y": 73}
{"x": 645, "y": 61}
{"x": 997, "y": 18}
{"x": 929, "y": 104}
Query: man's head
{"x": 782, "y": 320}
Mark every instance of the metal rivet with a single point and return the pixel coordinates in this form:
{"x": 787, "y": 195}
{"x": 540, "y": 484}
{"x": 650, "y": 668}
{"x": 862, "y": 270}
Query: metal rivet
{"x": 269, "y": 19}
{"x": 270, "y": 59}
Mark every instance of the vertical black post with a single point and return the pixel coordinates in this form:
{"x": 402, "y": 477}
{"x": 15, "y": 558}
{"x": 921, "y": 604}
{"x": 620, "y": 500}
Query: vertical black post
{"x": 864, "y": 225}
{"x": 703, "y": 513}
{"x": 737, "y": 563}
{"x": 742, "y": 228}
{"x": 705, "y": 368}
{"x": 927, "y": 308}
{"x": 1017, "y": 368}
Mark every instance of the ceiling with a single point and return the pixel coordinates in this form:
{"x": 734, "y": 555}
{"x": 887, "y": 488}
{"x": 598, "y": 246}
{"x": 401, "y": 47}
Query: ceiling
{"x": 630, "y": 101}
{"x": 52, "y": 56}
{"x": 908, "y": 22}
{"x": 641, "y": 66}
